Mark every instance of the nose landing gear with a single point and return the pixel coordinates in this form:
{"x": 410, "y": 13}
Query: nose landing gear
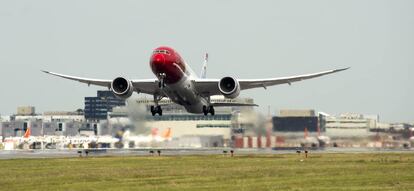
{"x": 161, "y": 83}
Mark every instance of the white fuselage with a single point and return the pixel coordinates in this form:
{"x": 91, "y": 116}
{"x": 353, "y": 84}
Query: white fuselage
{"x": 183, "y": 92}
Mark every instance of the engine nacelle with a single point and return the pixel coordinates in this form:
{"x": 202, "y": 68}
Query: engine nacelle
{"x": 122, "y": 87}
{"x": 229, "y": 87}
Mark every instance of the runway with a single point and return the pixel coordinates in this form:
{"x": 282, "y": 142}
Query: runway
{"x": 67, "y": 153}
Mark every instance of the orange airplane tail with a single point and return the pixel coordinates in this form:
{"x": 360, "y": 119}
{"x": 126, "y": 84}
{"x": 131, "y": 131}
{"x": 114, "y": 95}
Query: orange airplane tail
{"x": 27, "y": 133}
{"x": 167, "y": 133}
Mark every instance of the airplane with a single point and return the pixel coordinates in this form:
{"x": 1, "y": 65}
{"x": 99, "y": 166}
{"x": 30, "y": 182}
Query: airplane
{"x": 84, "y": 141}
{"x": 177, "y": 81}
{"x": 140, "y": 140}
{"x": 26, "y": 139}
{"x": 52, "y": 141}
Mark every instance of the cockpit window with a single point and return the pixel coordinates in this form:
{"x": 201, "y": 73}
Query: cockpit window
{"x": 162, "y": 52}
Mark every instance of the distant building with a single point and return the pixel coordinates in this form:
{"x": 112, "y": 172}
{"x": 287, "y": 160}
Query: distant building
{"x": 7, "y": 129}
{"x": 66, "y": 123}
{"x": 26, "y": 117}
{"x": 181, "y": 123}
{"x": 40, "y": 128}
{"x": 14, "y": 128}
{"x": 295, "y": 121}
{"x": 297, "y": 113}
{"x": 72, "y": 129}
{"x": 350, "y": 125}
{"x": 295, "y": 124}
{"x": 97, "y": 108}
{"x": 99, "y": 128}
{"x": 5, "y": 118}
{"x": 26, "y": 110}
{"x": 194, "y": 125}
{"x": 63, "y": 116}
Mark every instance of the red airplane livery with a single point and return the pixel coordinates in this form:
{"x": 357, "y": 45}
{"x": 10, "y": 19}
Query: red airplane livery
{"x": 176, "y": 81}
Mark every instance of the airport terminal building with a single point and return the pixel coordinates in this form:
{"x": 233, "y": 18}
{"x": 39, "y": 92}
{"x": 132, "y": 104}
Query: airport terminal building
{"x": 239, "y": 127}
{"x": 195, "y": 127}
{"x": 97, "y": 108}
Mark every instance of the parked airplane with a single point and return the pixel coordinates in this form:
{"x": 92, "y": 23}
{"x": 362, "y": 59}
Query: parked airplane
{"x": 312, "y": 141}
{"x": 140, "y": 140}
{"x": 177, "y": 81}
{"x": 26, "y": 139}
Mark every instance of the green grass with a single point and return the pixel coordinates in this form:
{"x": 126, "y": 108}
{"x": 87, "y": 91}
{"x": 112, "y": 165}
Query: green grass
{"x": 390, "y": 171}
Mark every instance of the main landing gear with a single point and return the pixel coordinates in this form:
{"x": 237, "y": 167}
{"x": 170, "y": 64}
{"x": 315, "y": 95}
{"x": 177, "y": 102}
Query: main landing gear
{"x": 208, "y": 109}
{"x": 156, "y": 110}
{"x": 161, "y": 84}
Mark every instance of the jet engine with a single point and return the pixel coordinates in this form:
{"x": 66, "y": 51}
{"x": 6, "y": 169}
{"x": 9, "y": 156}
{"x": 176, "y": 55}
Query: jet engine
{"x": 122, "y": 87}
{"x": 229, "y": 87}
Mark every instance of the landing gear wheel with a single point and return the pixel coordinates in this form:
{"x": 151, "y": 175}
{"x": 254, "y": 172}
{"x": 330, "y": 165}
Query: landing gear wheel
{"x": 207, "y": 110}
{"x": 153, "y": 110}
{"x": 156, "y": 110}
{"x": 212, "y": 112}
{"x": 159, "y": 110}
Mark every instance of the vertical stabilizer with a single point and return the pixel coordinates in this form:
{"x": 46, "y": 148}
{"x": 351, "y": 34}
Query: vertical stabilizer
{"x": 204, "y": 68}
{"x": 167, "y": 133}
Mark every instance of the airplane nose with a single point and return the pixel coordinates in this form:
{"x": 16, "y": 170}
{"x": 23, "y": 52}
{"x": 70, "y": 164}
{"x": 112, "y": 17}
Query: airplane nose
{"x": 158, "y": 59}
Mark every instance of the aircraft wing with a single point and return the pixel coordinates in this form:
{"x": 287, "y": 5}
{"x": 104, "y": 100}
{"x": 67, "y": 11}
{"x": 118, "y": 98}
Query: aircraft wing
{"x": 148, "y": 86}
{"x": 210, "y": 86}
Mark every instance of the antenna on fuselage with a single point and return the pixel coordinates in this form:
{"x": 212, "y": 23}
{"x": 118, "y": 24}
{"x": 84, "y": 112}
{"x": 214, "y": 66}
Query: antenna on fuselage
{"x": 204, "y": 68}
